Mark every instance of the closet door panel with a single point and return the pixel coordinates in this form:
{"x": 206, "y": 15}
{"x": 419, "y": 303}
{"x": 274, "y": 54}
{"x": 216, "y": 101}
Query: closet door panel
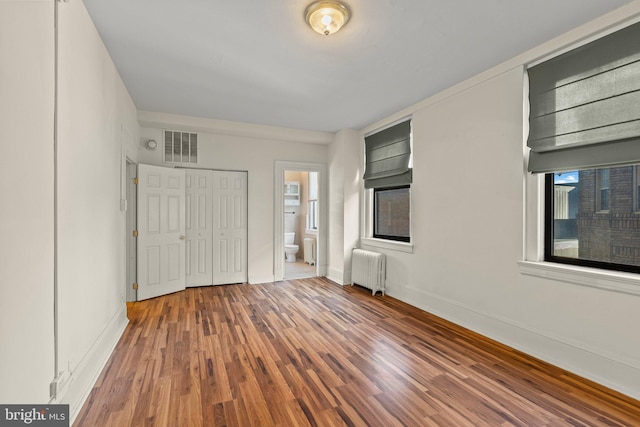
{"x": 230, "y": 227}
{"x": 199, "y": 227}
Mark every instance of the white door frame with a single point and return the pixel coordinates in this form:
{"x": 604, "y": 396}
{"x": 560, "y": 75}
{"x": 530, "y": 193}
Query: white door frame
{"x": 323, "y": 212}
{"x": 130, "y": 240}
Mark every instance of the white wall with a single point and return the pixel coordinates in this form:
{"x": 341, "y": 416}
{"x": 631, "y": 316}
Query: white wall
{"x": 467, "y": 233}
{"x": 344, "y": 213}
{"x": 26, "y": 211}
{"x": 97, "y": 125}
{"x": 335, "y": 270}
{"x": 252, "y": 154}
{"x": 467, "y": 174}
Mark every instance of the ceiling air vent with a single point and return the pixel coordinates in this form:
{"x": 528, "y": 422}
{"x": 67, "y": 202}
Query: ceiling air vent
{"x": 180, "y": 147}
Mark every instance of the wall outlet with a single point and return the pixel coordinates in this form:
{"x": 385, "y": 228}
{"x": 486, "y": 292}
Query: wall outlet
{"x": 59, "y": 385}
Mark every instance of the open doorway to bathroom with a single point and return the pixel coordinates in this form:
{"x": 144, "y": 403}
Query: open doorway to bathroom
{"x": 300, "y": 203}
{"x": 300, "y": 224}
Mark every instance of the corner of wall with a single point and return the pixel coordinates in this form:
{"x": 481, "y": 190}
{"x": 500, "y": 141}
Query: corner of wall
{"x": 79, "y": 383}
{"x": 336, "y": 275}
{"x": 344, "y": 161}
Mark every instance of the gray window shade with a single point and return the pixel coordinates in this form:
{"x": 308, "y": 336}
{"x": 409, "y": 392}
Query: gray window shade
{"x": 585, "y": 105}
{"x": 388, "y": 153}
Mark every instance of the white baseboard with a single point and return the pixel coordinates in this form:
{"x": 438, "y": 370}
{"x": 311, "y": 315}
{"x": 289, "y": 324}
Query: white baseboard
{"x": 90, "y": 367}
{"x": 336, "y": 275}
{"x": 322, "y": 270}
{"x": 254, "y": 280}
{"x": 348, "y": 276}
{"x": 596, "y": 365}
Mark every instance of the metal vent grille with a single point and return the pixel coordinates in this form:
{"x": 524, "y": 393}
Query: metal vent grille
{"x": 180, "y": 147}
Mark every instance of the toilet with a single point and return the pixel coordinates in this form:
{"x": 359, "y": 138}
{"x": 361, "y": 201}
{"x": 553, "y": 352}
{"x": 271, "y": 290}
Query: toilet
{"x": 290, "y": 250}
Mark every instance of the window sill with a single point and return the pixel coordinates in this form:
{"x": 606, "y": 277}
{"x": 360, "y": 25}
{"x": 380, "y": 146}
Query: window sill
{"x": 387, "y": 244}
{"x": 614, "y": 281}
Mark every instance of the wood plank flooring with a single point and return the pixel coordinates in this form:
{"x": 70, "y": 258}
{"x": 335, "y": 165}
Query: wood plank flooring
{"x": 311, "y": 353}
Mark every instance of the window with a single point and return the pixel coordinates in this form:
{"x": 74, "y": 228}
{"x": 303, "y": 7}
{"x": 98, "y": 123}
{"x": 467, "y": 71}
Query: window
{"x": 636, "y": 188}
{"x": 180, "y": 147}
{"x": 392, "y": 213}
{"x": 602, "y": 190}
{"x": 584, "y": 135}
{"x": 590, "y": 218}
{"x": 312, "y": 204}
{"x": 312, "y": 215}
{"x": 389, "y": 173}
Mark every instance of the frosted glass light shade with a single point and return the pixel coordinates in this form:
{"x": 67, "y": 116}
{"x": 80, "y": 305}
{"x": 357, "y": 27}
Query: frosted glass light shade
{"x": 327, "y": 17}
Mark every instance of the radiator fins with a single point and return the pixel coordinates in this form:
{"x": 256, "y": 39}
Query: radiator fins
{"x": 368, "y": 270}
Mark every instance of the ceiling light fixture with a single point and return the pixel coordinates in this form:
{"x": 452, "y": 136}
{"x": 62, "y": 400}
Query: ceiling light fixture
{"x": 327, "y": 17}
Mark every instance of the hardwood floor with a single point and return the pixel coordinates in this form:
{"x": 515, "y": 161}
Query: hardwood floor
{"x": 309, "y": 352}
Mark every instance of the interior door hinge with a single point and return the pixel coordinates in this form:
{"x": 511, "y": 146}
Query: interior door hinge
{"x": 135, "y": 233}
{"x": 135, "y": 180}
{"x": 135, "y": 286}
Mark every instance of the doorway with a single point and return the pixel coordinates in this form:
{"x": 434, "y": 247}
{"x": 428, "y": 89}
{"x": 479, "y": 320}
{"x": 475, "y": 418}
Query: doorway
{"x": 300, "y": 224}
{"x": 300, "y": 220}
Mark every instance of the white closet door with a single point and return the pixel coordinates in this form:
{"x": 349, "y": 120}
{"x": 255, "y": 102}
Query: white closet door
{"x": 161, "y": 231}
{"x": 229, "y": 227}
{"x": 199, "y": 227}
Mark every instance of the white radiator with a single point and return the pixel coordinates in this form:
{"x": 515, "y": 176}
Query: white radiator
{"x": 368, "y": 270}
{"x": 310, "y": 251}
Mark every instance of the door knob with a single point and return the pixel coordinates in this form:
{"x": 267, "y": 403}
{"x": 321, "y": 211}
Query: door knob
{"x": 182, "y": 237}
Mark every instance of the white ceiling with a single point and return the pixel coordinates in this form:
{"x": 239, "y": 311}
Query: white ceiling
{"x": 258, "y": 62}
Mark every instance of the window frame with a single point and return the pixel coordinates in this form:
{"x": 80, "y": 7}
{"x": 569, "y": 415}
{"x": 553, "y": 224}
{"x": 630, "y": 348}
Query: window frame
{"x": 393, "y": 238}
{"x": 548, "y": 242}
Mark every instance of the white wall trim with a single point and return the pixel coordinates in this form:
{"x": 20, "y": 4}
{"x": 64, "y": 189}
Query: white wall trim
{"x": 255, "y": 280}
{"x": 599, "y": 365}
{"x": 386, "y": 244}
{"x": 224, "y": 127}
{"x": 615, "y": 281}
{"x": 278, "y": 206}
{"x": 84, "y": 376}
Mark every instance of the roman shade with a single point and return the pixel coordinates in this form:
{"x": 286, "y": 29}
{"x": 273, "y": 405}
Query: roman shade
{"x": 388, "y": 154}
{"x": 585, "y": 106}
